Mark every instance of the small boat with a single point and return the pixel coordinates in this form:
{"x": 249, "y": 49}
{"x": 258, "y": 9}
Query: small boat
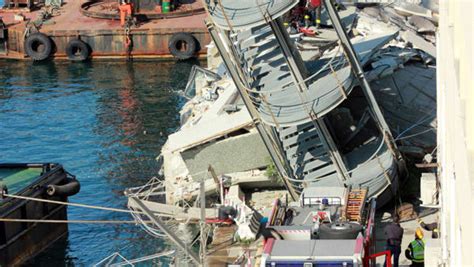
{"x": 19, "y": 241}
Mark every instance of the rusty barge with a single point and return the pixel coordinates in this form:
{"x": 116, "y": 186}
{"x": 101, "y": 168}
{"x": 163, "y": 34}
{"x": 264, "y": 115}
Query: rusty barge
{"x": 83, "y": 30}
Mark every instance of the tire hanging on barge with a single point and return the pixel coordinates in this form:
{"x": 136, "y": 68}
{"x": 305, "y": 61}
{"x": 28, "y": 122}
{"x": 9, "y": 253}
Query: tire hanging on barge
{"x": 78, "y": 50}
{"x": 70, "y": 188}
{"x": 183, "y": 45}
{"x": 38, "y": 46}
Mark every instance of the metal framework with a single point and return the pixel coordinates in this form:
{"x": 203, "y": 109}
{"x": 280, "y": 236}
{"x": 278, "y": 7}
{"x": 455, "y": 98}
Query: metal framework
{"x": 359, "y": 72}
{"x": 162, "y": 226}
{"x": 287, "y": 104}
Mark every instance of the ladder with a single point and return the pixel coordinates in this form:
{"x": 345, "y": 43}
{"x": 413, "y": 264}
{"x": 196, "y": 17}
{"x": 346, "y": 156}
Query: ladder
{"x": 355, "y": 204}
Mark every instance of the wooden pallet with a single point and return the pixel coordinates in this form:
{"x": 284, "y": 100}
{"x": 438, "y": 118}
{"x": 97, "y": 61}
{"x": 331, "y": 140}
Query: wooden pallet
{"x": 355, "y": 204}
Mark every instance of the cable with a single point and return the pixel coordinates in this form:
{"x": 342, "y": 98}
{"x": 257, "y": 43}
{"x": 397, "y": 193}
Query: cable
{"x": 146, "y": 258}
{"x": 420, "y": 121}
{"x": 67, "y": 203}
{"x": 71, "y": 221}
{"x": 413, "y": 135}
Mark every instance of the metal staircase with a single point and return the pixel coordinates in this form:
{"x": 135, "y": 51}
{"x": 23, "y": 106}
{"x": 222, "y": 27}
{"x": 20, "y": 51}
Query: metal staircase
{"x": 281, "y": 97}
{"x": 305, "y": 152}
{"x": 269, "y": 76}
{"x": 286, "y": 102}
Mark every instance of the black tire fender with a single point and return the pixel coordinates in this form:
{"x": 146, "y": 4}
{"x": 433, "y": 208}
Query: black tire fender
{"x": 38, "y": 46}
{"x": 183, "y": 45}
{"x": 77, "y": 50}
{"x": 69, "y": 188}
{"x": 346, "y": 230}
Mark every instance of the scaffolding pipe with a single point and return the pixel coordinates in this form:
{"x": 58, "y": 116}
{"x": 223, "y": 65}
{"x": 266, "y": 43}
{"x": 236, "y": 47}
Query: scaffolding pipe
{"x": 158, "y": 222}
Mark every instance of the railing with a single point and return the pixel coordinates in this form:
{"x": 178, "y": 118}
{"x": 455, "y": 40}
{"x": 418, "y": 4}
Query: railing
{"x": 386, "y": 253}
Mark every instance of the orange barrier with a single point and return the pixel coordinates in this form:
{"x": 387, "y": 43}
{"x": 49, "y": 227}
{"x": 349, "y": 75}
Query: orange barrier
{"x": 386, "y": 253}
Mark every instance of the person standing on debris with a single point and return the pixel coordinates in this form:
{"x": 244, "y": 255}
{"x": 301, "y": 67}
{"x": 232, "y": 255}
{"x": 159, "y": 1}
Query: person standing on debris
{"x": 416, "y": 250}
{"x": 394, "y": 233}
{"x": 432, "y": 227}
{"x": 297, "y": 15}
{"x": 126, "y": 9}
{"x": 314, "y": 10}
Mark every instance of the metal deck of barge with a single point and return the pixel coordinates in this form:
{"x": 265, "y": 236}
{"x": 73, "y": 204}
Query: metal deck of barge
{"x": 105, "y": 36}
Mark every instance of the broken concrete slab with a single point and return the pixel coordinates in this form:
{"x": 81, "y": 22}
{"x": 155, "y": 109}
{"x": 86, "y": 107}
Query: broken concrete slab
{"x": 409, "y": 9}
{"x": 347, "y": 16}
{"x": 372, "y": 11}
{"x": 421, "y": 24}
{"x": 419, "y": 42}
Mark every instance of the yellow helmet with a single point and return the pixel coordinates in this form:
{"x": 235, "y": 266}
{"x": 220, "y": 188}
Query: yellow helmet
{"x": 419, "y": 233}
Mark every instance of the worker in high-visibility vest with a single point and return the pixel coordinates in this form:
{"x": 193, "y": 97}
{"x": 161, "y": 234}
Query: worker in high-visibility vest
{"x": 416, "y": 250}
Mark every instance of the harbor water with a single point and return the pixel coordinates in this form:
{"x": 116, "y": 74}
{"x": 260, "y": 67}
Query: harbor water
{"x": 105, "y": 122}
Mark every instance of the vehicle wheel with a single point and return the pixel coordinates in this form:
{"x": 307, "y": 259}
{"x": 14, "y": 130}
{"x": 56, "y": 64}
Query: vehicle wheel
{"x": 183, "y": 45}
{"x": 38, "y": 46}
{"x": 339, "y": 230}
{"x": 77, "y": 50}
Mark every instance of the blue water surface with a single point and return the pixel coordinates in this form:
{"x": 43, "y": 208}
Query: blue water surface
{"x": 105, "y": 122}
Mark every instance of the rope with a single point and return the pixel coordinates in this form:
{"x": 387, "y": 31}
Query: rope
{"x": 420, "y": 122}
{"x": 225, "y": 16}
{"x": 150, "y": 230}
{"x": 68, "y": 203}
{"x": 146, "y": 258}
{"x": 415, "y": 134}
{"x": 71, "y": 221}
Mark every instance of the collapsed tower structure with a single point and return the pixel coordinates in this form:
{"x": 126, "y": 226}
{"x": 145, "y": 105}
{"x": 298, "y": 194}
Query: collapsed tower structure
{"x": 295, "y": 103}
